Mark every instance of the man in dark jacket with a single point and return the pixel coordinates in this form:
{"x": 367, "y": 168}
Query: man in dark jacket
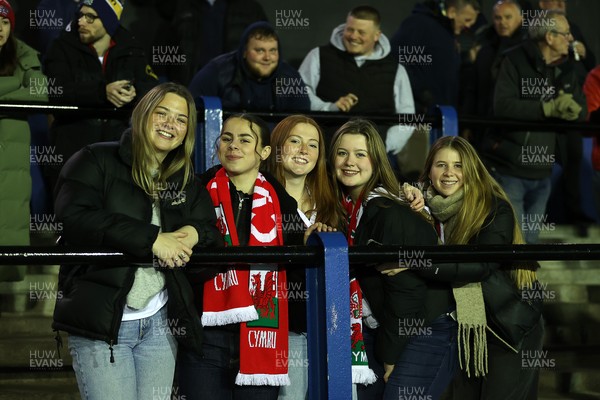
{"x": 535, "y": 83}
{"x": 431, "y": 29}
{"x": 253, "y": 78}
{"x": 94, "y": 63}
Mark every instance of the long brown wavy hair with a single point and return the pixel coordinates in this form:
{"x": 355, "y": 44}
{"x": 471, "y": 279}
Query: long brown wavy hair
{"x": 481, "y": 192}
{"x": 383, "y": 173}
{"x": 328, "y": 207}
{"x": 144, "y": 154}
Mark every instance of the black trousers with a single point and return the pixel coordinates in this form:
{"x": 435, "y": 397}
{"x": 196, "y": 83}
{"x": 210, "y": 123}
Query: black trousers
{"x": 510, "y": 375}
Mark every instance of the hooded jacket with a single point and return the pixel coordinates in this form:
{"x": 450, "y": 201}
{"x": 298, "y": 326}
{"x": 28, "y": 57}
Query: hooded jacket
{"x": 99, "y": 204}
{"x": 380, "y": 83}
{"x": 428, "y": 32}
{"x": 228, "y": 77}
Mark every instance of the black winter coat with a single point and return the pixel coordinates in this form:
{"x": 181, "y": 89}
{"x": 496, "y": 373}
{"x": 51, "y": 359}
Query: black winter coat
{"x": 524, "y": 82}
{"x": 98, "y": 204}
{"x": 77, "y": 77}
{"x": 404, "y": 296}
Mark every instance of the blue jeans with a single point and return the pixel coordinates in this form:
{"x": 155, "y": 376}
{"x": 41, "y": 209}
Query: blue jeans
{"x": 297, "y": 369}
{"x": 212, "y": 375}
{"x": 529, "y": 198}
{"x": 144, "y": 362}
{"x": 427, "y": 364}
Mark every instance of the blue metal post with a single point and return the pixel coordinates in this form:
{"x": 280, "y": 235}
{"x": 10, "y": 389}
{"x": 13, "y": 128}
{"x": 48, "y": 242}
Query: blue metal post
{"x": 449, "y": 123}
{"x": 208, "y": 132}
{"x": 328, "y": 319}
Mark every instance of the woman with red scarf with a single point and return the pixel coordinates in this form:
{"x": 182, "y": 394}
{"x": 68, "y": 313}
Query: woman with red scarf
{"x": 415, "y": 337}
{"x": 245, "y": 309}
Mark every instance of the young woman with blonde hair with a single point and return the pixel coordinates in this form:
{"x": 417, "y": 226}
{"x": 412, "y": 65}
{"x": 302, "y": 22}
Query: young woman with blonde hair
{"x": 470, "y": 207}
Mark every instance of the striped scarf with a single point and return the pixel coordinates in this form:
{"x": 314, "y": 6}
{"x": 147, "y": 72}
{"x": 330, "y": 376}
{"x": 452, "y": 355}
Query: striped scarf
{"x": 256, "y": 297}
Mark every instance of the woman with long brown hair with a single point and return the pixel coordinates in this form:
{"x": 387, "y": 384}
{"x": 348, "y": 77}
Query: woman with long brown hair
{"x": 470, "y": 207}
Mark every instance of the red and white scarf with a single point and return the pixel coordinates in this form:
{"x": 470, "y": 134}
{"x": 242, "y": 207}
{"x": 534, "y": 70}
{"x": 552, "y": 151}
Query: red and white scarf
{"x": 256, "y": 297}
{"x": 361, "y": 373}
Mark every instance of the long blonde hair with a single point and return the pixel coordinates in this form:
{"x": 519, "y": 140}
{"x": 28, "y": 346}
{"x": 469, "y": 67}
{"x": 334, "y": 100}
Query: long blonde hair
{"x": 481, "y": 192}
{"x": 328, "y": 207}
{"x": 144, "y": 154}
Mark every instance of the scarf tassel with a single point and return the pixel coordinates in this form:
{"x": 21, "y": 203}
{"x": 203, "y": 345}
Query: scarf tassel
{"x": 363, "y": 375}
{"x": 230, "y": 316}
{"x": 262, "y": 379}
{"x": 479, "y": 351}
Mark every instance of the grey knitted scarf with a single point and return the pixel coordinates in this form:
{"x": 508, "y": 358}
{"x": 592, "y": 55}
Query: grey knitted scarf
{"x": 470, "y": 309}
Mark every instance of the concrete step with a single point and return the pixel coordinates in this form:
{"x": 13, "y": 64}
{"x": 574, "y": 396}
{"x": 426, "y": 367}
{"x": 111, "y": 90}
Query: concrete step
{"x": 36, "y": 353}
{"x": 568, "y": 234}
{"x": 39, "y": 386}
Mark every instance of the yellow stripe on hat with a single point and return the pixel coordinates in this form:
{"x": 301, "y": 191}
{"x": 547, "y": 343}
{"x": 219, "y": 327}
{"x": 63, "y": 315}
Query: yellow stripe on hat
{"x": 116, "y": 6}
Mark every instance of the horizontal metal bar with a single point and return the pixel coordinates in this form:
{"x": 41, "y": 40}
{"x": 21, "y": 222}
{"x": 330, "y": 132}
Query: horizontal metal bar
{"x": 15, "y": 255}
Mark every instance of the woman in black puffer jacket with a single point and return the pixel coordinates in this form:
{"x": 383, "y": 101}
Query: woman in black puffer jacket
{"x": 140, "y": 197}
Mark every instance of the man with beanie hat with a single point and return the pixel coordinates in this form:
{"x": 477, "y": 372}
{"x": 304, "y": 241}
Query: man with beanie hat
{"x": 96, "y": 63}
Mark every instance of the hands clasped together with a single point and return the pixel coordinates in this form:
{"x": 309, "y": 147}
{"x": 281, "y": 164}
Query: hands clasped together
{"x": 120, "y": 92}
{"x": 174, "y": 249}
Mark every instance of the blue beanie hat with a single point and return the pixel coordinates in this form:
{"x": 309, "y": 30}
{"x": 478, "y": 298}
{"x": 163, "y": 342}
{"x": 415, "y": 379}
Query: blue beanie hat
{"x": 109, "y": 12}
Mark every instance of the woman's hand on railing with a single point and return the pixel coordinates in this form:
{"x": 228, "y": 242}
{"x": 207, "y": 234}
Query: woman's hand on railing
{"x": 170, "y": 249}
{"x": 319, "y": 227}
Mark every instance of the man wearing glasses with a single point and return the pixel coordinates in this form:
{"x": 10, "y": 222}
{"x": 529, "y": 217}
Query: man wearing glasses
{"x": 95, "y": 63}
{"x": 570, "y": 147}
{"x": 536, "y": 82}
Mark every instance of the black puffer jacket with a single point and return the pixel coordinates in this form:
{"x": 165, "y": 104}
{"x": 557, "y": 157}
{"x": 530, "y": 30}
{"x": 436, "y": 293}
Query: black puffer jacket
{"x": 98, "y": 204}
{"x": 404, "y": 296}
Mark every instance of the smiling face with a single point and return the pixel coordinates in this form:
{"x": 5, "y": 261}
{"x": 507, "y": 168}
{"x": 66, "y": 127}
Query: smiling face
{"x": 240, "y": 150}
{"x": 262, "y": 56}
{"x": 300, "y": 151}
{"x": 169, "y": 124}
{"x": 462, "y": 18}
{"x": 360, "y": 36}
{"x": 446, "y": 172}
{"x": 352, "y": 163}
